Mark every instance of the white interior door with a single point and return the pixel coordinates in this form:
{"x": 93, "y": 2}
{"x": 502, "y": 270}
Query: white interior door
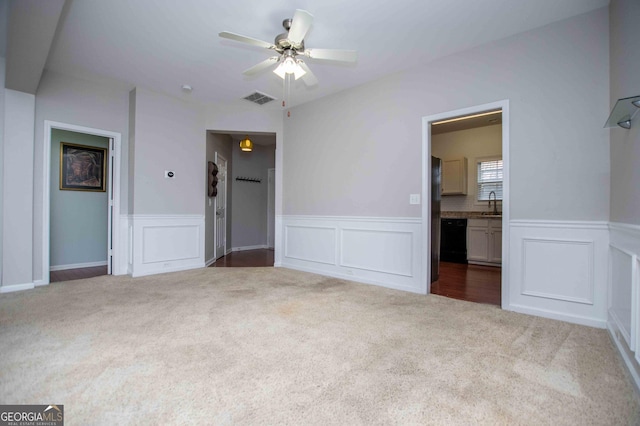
{"x": 221, "y": 207}
{"x": 271, "y": 209}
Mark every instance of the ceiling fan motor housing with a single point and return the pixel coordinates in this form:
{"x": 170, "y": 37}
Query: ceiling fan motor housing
{"x": 282, "y": 41}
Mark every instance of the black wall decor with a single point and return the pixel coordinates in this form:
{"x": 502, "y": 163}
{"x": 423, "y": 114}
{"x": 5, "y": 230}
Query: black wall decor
{"x": 212, "y": 173}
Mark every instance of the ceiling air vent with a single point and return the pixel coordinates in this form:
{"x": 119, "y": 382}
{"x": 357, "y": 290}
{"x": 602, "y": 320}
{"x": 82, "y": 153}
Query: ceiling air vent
{"x": 259, "y": 98}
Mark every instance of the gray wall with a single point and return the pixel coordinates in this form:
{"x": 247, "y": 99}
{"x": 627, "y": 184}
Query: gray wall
{"x": 249, "y": 205}
{"x": 358, "y": 152}
{"x": 625, "y": 82}
{"x": 17, "y": 216}
{"x": 222, "y": 144}
{"x": 78, "y": 218}
{"x": 169, "y": 135}
{"x": 2, "y": 68}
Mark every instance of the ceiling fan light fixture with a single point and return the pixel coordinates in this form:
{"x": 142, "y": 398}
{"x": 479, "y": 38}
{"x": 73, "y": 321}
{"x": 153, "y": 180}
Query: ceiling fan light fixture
{"x": 289, "y": 66}
{"x": 298, "y": 72}
{"x": 246, "y": 144}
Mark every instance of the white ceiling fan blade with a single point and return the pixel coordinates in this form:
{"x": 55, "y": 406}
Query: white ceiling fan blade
{"x": 299, "y": 26}
{"x": 261, "y": 66}
{"x": 245, "y": 39}
{"x": 332, "y": 55}
{"x": 309, "y": 78}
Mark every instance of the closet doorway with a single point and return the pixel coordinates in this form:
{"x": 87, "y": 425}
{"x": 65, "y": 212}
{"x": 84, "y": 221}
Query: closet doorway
{"x": 81, "y": 202}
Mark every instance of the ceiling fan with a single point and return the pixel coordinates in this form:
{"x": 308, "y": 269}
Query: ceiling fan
{"x": 290, "y": 48}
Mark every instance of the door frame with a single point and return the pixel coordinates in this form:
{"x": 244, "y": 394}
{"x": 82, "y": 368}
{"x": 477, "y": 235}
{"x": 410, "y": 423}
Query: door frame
{"x": 271, "y": 207}
{"x": 426, "y": 190}
{"x": 226, "y": 210}
{"x": 113, "y": 181}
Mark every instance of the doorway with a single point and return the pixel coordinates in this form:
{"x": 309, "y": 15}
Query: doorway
{"x": 110, "y": 185}
{"x": 482, "y": 275}
{"x": 248, "y": 189}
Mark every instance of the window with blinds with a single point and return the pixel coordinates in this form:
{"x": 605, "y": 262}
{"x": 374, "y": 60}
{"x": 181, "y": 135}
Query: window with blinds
{"x": 490, "y": 177}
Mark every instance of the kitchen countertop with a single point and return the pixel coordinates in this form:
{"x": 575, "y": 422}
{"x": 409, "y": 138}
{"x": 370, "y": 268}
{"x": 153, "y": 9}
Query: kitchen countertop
{"x": 469, "y": 215}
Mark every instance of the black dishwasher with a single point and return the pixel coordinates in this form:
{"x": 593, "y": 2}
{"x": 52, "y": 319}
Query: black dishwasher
{"x": 453, "y": 240}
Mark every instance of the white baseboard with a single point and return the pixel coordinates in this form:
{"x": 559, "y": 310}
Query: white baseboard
{"x": 77, "y": 266}
{"x": 157, "y": 271}
{"x": 246, "y": 248}
{"x": 346, "y": 277}
{"x": 16, "y": 287}
{"x": 379, "y": 251}
{"x": 40, "y": 283}
{"x": 210, "y": 262}
{"x": 544, "y": 313}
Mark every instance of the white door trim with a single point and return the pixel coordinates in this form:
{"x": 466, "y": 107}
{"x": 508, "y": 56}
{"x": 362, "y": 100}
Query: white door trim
{"x": 226, "y": 210}
{"x": 46, "y": 167}
{"x": 426, "y": 190}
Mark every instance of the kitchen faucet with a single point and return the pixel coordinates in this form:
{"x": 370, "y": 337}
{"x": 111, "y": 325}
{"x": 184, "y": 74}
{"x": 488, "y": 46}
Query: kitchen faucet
{"x": 495, "y": 202}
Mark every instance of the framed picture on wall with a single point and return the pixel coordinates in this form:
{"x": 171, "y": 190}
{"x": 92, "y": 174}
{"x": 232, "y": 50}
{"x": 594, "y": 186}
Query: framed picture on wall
{"x": 82, "y": 168}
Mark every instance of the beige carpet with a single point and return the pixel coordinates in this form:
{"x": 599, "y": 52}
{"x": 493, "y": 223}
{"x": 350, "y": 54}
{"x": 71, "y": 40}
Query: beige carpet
{"x": 275, "y": 346}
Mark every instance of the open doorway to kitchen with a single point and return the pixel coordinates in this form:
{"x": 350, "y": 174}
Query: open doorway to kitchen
{"x": 466, "y": 170}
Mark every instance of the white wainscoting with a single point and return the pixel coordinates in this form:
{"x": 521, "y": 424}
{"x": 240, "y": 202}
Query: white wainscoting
{"x": 559, "y": 270}
{"x": 623, "y": 321}
{"x": 380, "y": 251}
{"x": 163, "y": 243}
{"x": 126, "y": 245}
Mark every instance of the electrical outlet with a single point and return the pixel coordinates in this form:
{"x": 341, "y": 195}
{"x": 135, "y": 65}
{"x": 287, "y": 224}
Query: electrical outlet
{"x": 414, "y": 198}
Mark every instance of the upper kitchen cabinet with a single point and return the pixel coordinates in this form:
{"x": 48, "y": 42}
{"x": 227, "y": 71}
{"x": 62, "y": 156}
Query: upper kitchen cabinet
{"x": 454, "y": 176}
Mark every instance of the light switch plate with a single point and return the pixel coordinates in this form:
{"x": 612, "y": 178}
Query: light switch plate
{"x": 414, "y": 198}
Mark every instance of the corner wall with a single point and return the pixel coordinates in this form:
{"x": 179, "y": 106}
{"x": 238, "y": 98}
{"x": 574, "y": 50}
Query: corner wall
{"x": 624, "y": 250}
{"x": 17, "y": 215}
{"x": 166, "y": 230}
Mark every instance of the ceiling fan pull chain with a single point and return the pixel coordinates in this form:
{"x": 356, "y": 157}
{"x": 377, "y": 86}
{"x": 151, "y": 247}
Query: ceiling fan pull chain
{"x": 284, "y": 92}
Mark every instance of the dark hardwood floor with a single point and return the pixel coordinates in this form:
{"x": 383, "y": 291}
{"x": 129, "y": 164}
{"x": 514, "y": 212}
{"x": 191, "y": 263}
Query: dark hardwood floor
{"x": 77, "y": 274}
{"x": 474, "y": 283}
{"x": 247, "y": 258}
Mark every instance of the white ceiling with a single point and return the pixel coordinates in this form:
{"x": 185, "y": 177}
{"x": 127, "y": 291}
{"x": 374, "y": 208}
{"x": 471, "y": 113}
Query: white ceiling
{"x": 163, "y": 44}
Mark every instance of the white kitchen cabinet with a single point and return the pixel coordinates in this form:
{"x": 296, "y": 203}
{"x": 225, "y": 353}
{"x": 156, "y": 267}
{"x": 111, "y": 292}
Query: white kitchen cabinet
{"x": 454, "y": 176}
{"x": 484, "y": 241}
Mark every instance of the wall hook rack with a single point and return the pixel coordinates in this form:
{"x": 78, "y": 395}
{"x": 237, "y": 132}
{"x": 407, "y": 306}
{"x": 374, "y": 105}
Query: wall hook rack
{"x": 623, "y": 112}
{"x": 248, "y": 179}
